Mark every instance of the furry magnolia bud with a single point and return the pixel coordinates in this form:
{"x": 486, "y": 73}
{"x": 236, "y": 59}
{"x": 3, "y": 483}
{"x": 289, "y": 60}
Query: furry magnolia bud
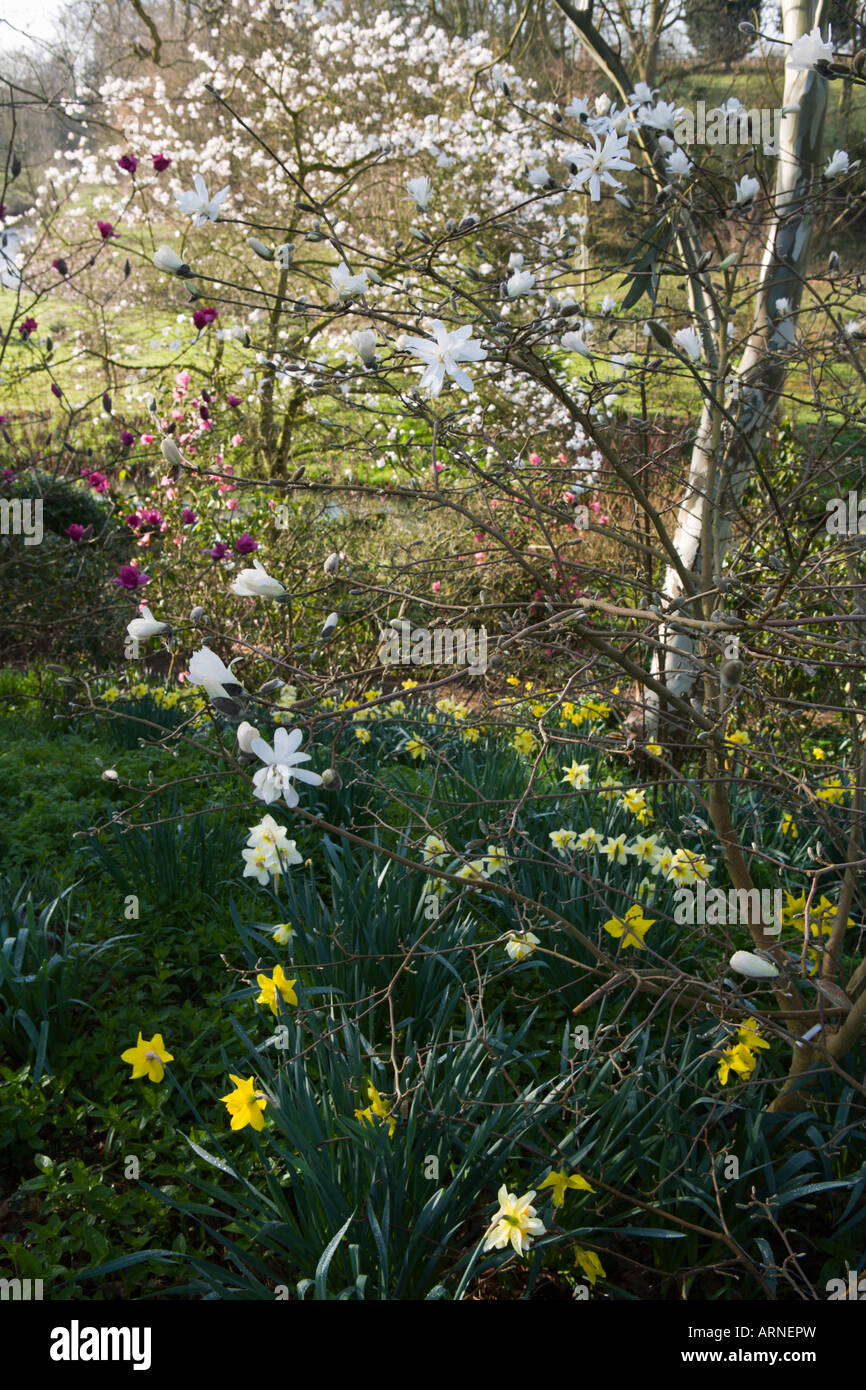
{"x": 331, "y": 779}
{"x": 332, "y": 564}
{"x": 661, "y": 334}
{"x": 731, "y": 674}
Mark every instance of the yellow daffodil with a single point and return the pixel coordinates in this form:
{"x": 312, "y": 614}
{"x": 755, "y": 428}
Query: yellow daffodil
{"x": 515, "y": 1222}
{"x": 590, "y": 1264}
{"x": 633, "y": 927}
{"x": 577, "y": 775}
{"x": 245, "y": 1104}
{"x": 789, "y": 826}
{"x": 147, "y": 1058}
{"x": 416, "y": 749}
{"x": 737, "y": 1058}
{"x": 561, "y": 1181}
{"x": 362, "y": 735}
{"x": 563, "y": 841}
{"x": 524, "y": 742}
{"x": 270, "y": 986}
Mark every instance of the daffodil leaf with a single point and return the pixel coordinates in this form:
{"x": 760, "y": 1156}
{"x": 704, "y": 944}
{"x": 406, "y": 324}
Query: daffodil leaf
{"x": 210, "y": 1158}
{"x": 327, "y": 1255}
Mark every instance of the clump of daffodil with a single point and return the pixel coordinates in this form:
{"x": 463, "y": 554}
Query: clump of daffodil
{"x": 147, "y": 1058}
{"x": 632, "y": 928}
{"x": 378, "y": 1107}
{"x": 245, "y": 1104}
{"x": 272, "y": 985}
{"x": 740, "y": 1058}
{"x": 561, "y": 1181}
{"x": 523, "y": 742}
{"x": 515, "y": 1222}
{"x": 589, "y": 1262}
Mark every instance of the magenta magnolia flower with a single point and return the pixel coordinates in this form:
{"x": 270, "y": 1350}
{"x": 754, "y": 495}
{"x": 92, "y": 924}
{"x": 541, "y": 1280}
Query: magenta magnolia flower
{"x": 106, "y": 230}
{"x": 128, "y": 162}
{"x": 127, "y": 438}
{"x": 151, "y": 517}
{"x": 56, "y": 391}
{"x": 27, "y": 327}
{"x": 219, "y": 551}
{"x": 202, "y": 317}
{"x": 7, "y": 475}
{"x": 60, "y": 265}
{"x": 160, "y": 162}
{"x": 204, "y": 412}
{"x": 245, "y": 545}
{"x": 232, "y": 399}
{"x": 130, "y": 577}
{"x": 75, "y": 532}
{"x": 188, "y": 517}
{"x": 133, "y": 520}
{"x": 97, "y": 481}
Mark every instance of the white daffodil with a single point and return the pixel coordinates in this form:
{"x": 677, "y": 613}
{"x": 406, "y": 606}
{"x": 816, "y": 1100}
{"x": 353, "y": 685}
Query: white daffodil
{"x": 146, "y": 626}
{"x": 521, "y": 282}
{"x": 281, "y": 765}
{"x": 268, "y": 851}
{"x": 838, "y": 164}
{"x": 10, "y": 275}
{"x": 166, "y": 258}
{"x": 690, "y": 341}
{"x": 745, "y": 189}
{"x": 246, "y": 734}
{"x": 345, "y": 283}
{"x": 364, "y": 343}
{"x": 420, "y": 191}
{"x": 520, "y": 945}
{"x": 257, "y": 583}
{"x": 207, "y": 670}
{"x": 515, "y": 1222}
{"x": 199, "y": 205}
{"x": 754, "y": 967}
{"x": 442, "y": 355}
{"x": 810, "y": 49}
{"x": 593, "y": 167}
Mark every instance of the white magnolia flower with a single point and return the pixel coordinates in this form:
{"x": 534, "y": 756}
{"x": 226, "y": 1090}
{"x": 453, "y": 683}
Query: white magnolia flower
{"x": 442, "y": 354}
{"x": 10, "y": 275}
{"x": 364, "y": 343}
{"x": 755, "y": 967}
{"x": 745, "y": 189}
{"x": 246, "y": 734}
{"x": 782, "y": 307}
{"x": 853, "y": 328}
{"x": 577, "y": 110}
{"x": 539, "y": 177}
{"x": 345, "y": 283}
{"x": 666, "y": 144}
{"x": 207, "y": 670}
{"x": 678, "y": 164}
{"x": 573, "y": 342}
{"x": 838, "y": 164}
{"x": 690, "y": 341}
{"x": 166, "y": 258}
{"x": 281, "y": 765}
{"x": 642, "y": 95}
{"x": 663, "y": 116}
{"x": 146, "y": 625}
{"x": 594, "y": 166}
{"x": 602, "y": 104}
{"x": 257, "y": 583}
{"x": 199, "y": 205}
{"x": 810, "y": 49}
{"x": 521, "y": 282}
{"x": 421, "y": 191}
{"x": 608, "y": 304}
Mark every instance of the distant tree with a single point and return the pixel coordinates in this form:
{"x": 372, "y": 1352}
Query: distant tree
{"x": 713, "y": 28}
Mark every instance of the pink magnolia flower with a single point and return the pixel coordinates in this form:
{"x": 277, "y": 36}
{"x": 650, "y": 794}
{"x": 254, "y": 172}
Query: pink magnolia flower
{"x": 97, "y": 481}
{"x": 202, "y": 317}
{"x": 232, "y": 399}
{"x": 160, "y": 162}
{"x": 74, "y": 531}
{"x": 28, "y": 326}
{"x": 133, "y": 520}
{"x": 436, "y": 585}
{"x": 232, "y": 504}
{"x": 237, "y": 440}
{"x": 148, "y": 438}
{"x": 245, "y": 545}
{"x": 182, "y": 379}
{"x": 188, "y": 516}
{"x": 106, "y": 230}
{"x": 219, "y": 551}
{"x": 128, "y": 163}
{"x": 535, "y": 459}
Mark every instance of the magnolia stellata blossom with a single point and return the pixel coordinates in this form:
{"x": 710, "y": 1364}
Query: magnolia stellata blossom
{"x": 810, "y": 49}
{"x": 745, "y": 189}
{"x": 420, "y": 191}
{"x": 690, "y": 341}
{"x": 442, "y": 355}
{"x": 199, "y": 205}
{"x": 839, "y": 163}
{"x": 281, "y": 766}
{"x": 593, "y": 166}
{"x": 345, "y": 283}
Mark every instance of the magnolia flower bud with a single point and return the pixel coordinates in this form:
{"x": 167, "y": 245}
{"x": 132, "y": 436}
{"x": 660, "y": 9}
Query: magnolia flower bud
{"x": 332, "y": 779}
{"x": 239, "y": 334}
{"x": 754, "y": 967}
{"x": 165, "y": 258}
{"x": 171, "y": 453}
{"x": 330, "y": 627}
{"x": 197, "y": 614}
{"x": 661, "y": 334}
{"x": 731, "y": 674}
{"x": 246, "y": 734}
{"x": 332, "y": 564}
{"x": 260, "y": 249}
{"x": 364, "y": 343}
{"x": 283, "y": 255}
{"x": 109, "y": 775}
